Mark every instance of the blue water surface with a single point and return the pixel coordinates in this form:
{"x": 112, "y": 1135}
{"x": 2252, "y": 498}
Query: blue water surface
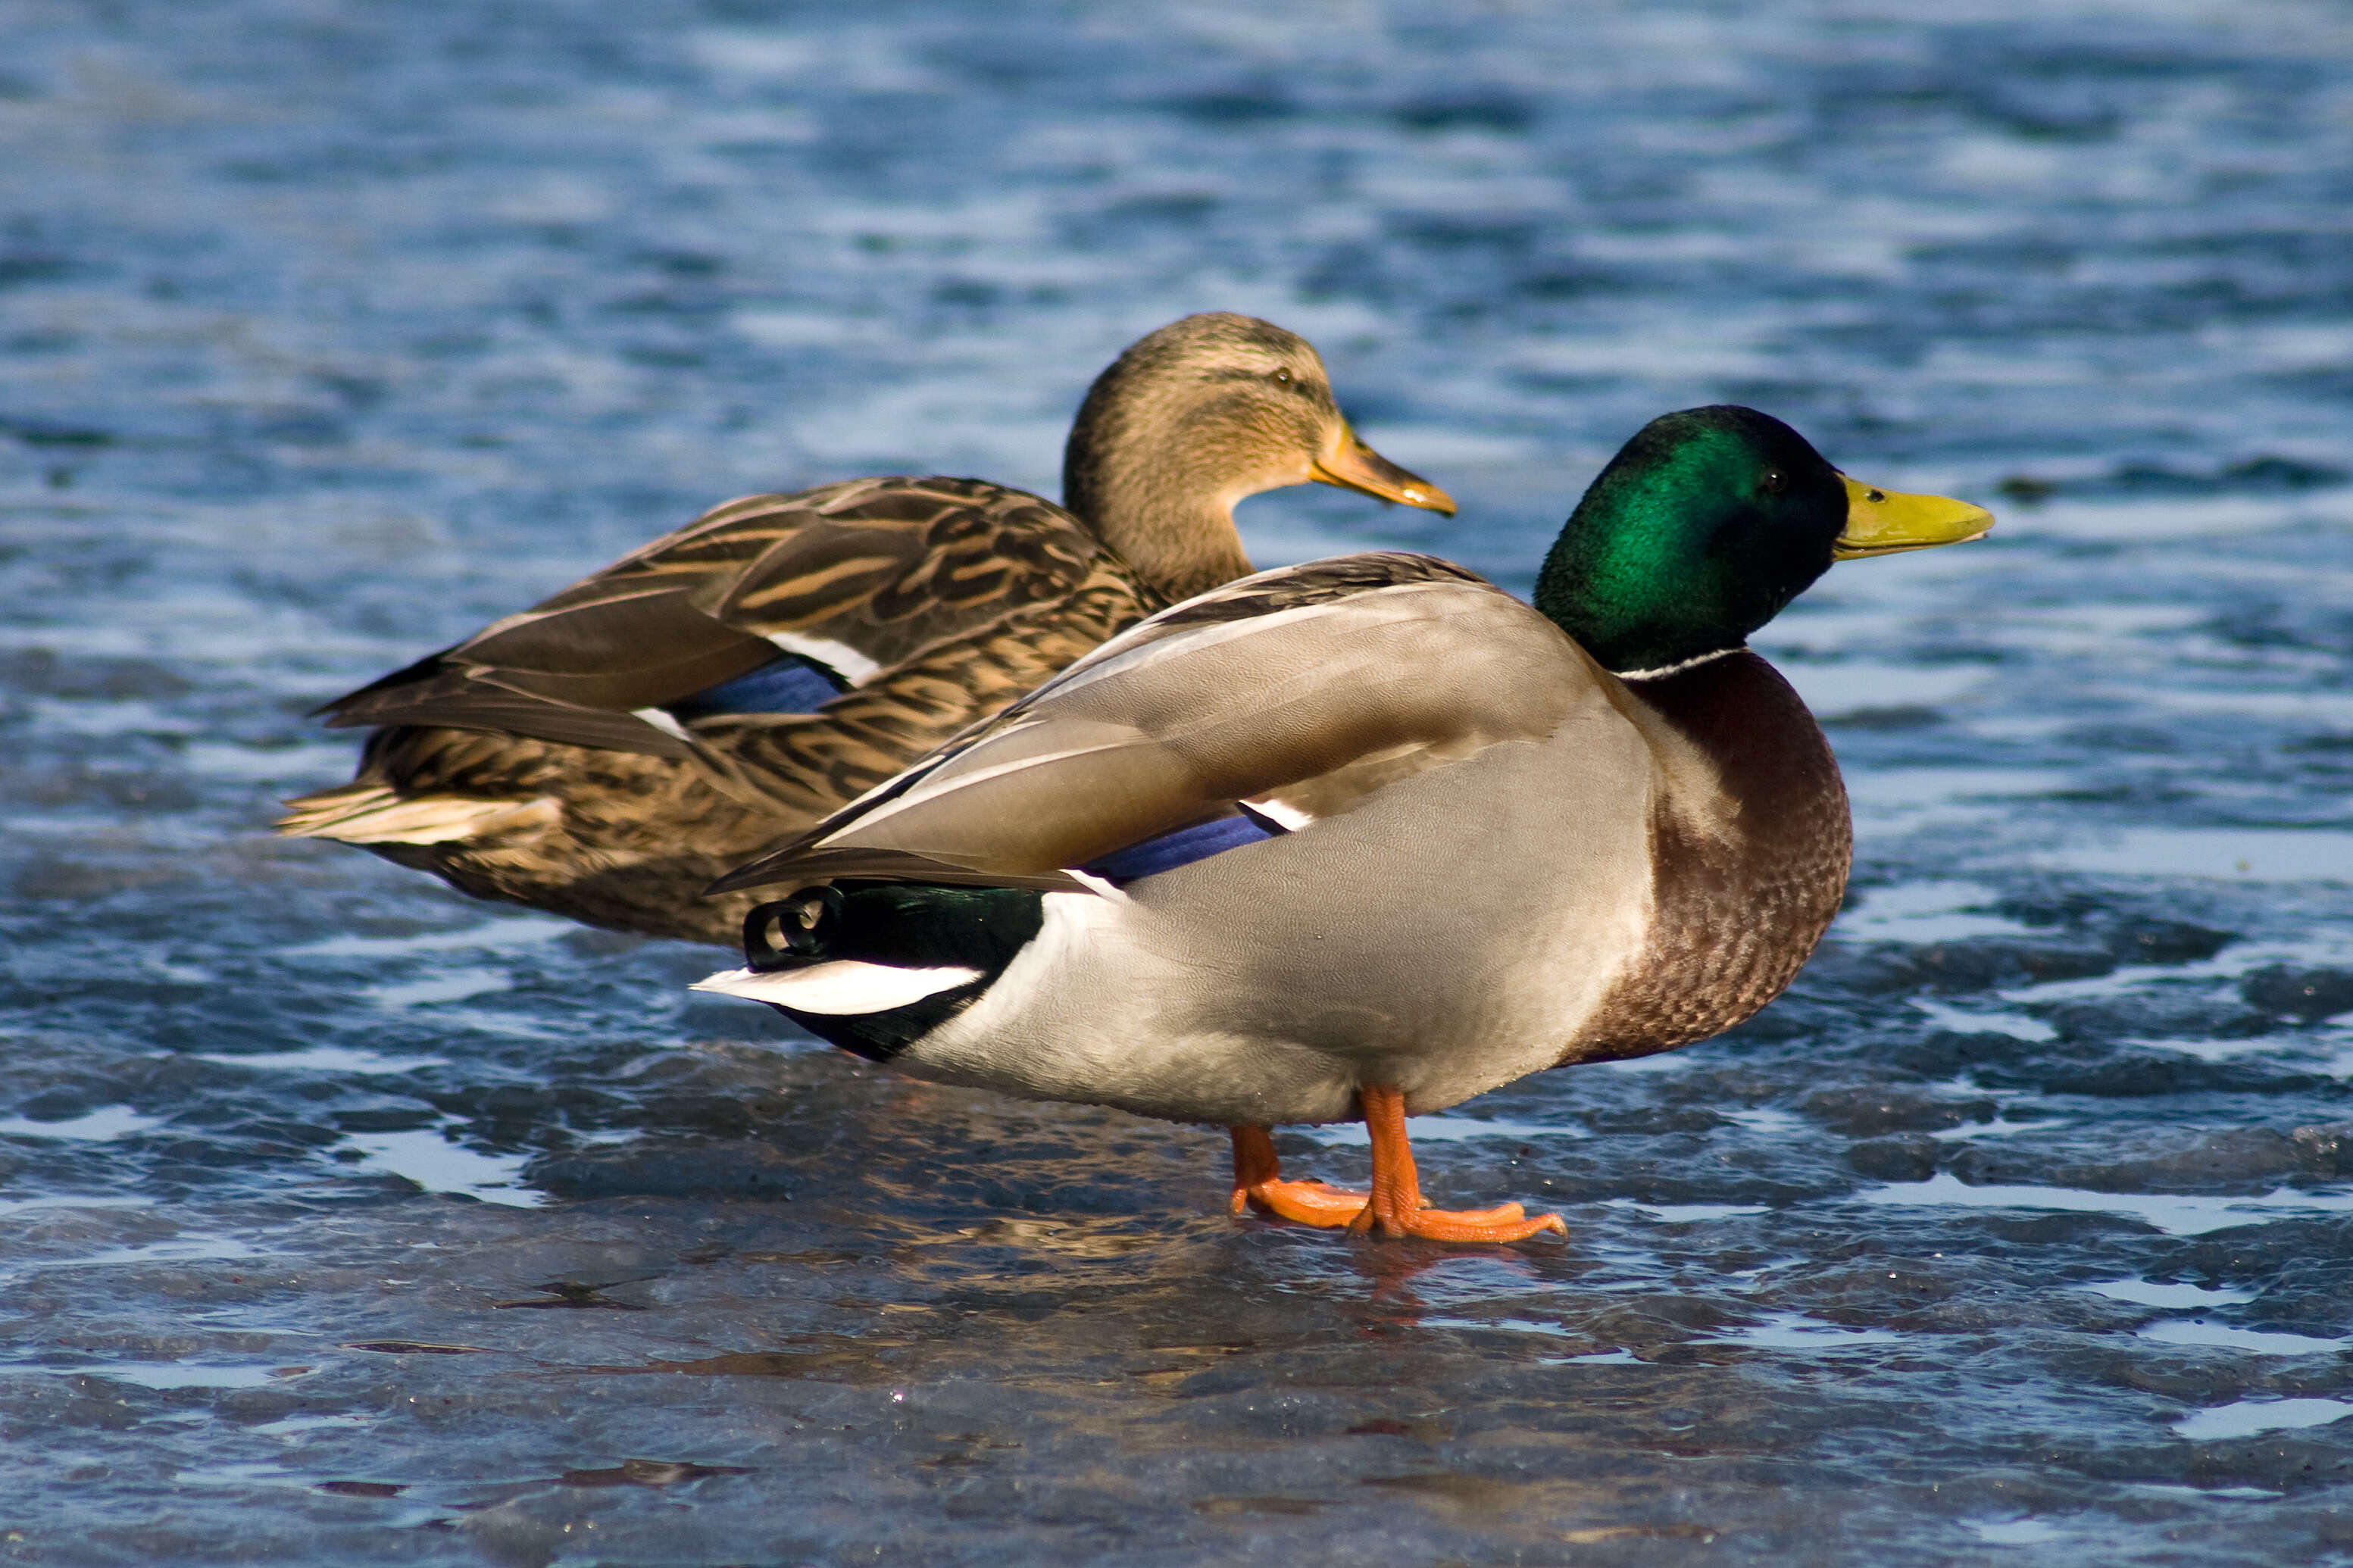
{"x": 344, "y": 1220}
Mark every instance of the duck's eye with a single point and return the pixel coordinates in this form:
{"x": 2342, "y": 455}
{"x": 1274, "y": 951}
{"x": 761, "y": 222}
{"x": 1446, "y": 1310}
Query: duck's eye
{"x": 1282, "y": 378}
{"x": 1774, "y": 482}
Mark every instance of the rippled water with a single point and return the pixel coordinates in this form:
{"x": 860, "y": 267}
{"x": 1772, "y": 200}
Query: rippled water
{"x": 342, "y": 1219}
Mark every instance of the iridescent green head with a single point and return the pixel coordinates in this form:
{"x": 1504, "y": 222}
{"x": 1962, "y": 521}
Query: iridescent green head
{"x": 1706, "y": 524}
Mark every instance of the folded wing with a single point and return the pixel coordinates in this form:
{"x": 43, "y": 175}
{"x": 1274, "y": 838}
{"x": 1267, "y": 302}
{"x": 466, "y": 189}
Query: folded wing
{"x": 855, "y": 576}
{"x": 1299, "y": 692}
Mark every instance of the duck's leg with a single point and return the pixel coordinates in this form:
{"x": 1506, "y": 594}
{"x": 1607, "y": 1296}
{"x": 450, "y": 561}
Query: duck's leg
{"x": 1258, "y": 1179}
{"x": 1397, "y": 1209}
{"x": 1394, "y": 1207}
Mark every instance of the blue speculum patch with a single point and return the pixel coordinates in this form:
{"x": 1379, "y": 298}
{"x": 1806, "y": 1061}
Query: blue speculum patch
{"x": 1182, "y": 847}
{"x": 789, "y": 683}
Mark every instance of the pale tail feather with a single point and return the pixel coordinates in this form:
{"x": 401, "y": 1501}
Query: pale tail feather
{"x": 373, "y": 814}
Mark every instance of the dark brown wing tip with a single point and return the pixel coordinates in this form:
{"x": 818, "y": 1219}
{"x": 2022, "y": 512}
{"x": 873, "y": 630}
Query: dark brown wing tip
{"x": 764, "y": 872}
{"x": 800, "y": 866}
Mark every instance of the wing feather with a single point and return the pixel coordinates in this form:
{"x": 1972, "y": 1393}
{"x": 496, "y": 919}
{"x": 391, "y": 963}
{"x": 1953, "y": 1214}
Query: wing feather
{"x": 1316, "y": 684}
{"x": 459, "y": 700}
{"x": 882, "y": 568}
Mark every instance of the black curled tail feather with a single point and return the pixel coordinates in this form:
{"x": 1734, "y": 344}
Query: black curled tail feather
{"x": 905, "y": 925}
{"x": 793, "y": 931}
{"x": 909, "y": 925}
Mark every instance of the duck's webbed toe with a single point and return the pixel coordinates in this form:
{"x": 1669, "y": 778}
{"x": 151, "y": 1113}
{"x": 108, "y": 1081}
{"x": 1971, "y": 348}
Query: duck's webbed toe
{"x": 1259, "y": 1181}
{"x": 1506, "y": 1223}
{"x": 1395, "y": 1207}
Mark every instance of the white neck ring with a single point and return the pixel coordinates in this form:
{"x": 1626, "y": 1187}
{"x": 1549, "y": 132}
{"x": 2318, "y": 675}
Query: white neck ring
{"x": 1666, "y": 669}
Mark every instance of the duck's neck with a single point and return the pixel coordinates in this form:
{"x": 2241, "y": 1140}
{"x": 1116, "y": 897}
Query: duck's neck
{"x": 1156, "y": 500}
{"x": 1618, "y": 598}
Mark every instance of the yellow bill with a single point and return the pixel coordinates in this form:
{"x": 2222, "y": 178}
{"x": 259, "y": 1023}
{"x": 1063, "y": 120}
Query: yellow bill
{"x": 1352, "y": 466}
{"x": 1885, "y": 522}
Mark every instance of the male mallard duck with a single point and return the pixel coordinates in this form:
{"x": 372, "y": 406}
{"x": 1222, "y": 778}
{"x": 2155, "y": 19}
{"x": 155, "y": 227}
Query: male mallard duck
{"x": 1369, "y": 836}
{"x": 608, "y": 751}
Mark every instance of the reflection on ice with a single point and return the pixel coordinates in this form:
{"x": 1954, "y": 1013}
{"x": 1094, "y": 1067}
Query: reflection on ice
{"x": 1659, "y": 1061}
{"x": 2146, "y": 1293}
{"x": 2175, "y": 1215}
{"x": 514, "y": 930}
{"x": 1642, "y": 356}
{"x": 1963, "y": 1020}
{"x": 452, "y": 986}
{"x": 1833, "y": 690}
{"x": 293, "y": 1426}
{"x": 72, "y": 1201}
{"x": 1925, "y": 912}
{"x": 1508, "y": 1325}
{"x": 802, "y": 329}
{"x": 1688, "y": 1214}
{"x": 2014, "y": 1531}
{"x": 2249, "y": 1416}
{"x": 107, "y": 719}
{"x": 326, "y": 1058}
{"x": 1913, "y": 798}
{"x": 1797, "y": 1331}
{"x": 1969, "y": 1131}
{"x": 438, "y": 1165}
{"x": 2323, "y": 709}
{"x": 2141, "y": 518}
{"x": 2221, "y": 1336}
{"x": 483, "y": 1021}
{"x": 173, "y": 1374}
{"x": 2231, "y": 854}
{"x": 186, "y": 1249}
{"x": 108, "y": 1121}
{"x": 2226, "y": 1050}
{"x": 314, "y": 762}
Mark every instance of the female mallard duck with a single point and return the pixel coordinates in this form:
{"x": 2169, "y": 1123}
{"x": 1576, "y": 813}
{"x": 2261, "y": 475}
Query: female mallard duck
{"x": 608, "y": 751}
{"x": 1368, "y": 837}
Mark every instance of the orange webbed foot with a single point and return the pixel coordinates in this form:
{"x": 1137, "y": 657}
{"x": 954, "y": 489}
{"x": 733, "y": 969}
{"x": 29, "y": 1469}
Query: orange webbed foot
{"x": 1397, "y": 1208}
{"x": 1393, "y": 1207}
{"x": 1258, "y": 1181}
{"x": 1508, "y": 1223}
{"x": 1309, "y": 1202}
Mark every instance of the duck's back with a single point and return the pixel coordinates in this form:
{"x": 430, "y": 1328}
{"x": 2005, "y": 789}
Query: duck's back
{"x": 606, "y": 753}
{"x": 856, "y": 577}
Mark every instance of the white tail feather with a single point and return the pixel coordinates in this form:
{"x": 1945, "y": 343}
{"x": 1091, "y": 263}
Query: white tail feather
{"x": 662, "y": 721}
{"x": 845, "y": 987}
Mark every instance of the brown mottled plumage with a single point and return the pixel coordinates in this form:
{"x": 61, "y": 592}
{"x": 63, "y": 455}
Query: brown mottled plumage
{"x": 538, "y": 761}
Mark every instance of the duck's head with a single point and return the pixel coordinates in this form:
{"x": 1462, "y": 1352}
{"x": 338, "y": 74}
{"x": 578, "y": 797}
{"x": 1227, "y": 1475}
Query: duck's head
{"x": 1193, "y": 419}
{"x": 1706, "y": 524}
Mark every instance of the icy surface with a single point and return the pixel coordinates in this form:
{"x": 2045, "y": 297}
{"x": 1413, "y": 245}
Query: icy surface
{"x": 344, "y": 1220}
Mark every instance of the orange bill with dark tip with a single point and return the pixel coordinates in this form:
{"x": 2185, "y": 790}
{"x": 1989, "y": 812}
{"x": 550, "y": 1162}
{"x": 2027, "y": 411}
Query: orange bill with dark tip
{"x": 1352, "y": 466}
